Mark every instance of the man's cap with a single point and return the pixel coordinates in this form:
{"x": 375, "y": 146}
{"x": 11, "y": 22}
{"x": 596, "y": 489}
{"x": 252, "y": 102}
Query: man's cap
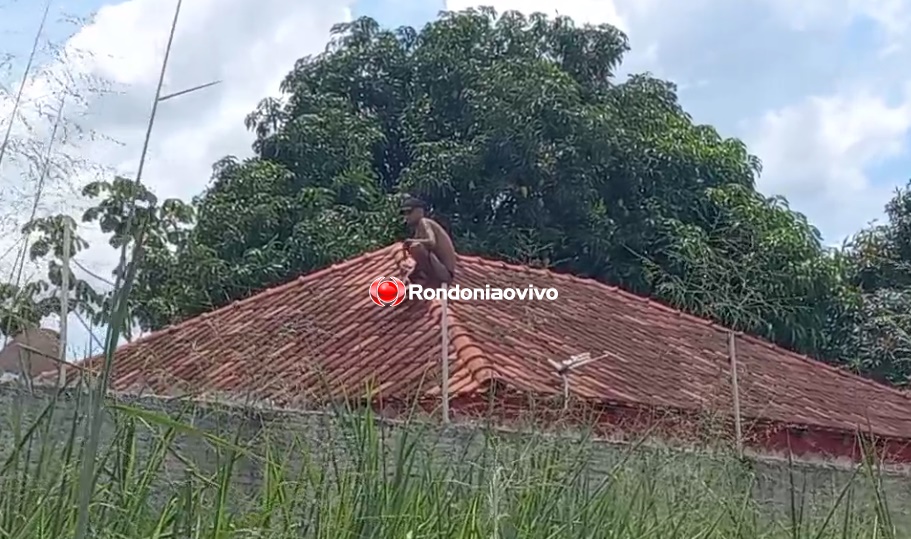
{"x": 411, "y": 203}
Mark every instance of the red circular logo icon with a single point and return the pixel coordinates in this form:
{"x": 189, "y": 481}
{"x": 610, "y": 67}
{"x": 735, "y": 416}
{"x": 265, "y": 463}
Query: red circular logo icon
{"x": 387, "y": 291}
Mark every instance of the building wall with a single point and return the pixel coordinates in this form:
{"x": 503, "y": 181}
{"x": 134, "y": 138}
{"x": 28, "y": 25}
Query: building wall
{"x": 313, "y": 435}
{"x": 13, "y": 357}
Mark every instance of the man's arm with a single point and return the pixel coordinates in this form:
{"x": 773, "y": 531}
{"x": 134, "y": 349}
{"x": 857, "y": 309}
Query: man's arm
{"x": 428, "y": 238}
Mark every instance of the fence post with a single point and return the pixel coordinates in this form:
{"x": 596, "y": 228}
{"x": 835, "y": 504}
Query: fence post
{"x": 732, "y": 356}
{"x": 444, "y": 329}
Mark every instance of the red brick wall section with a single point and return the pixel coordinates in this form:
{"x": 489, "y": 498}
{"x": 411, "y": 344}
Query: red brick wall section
{"x": 688, "y": 429}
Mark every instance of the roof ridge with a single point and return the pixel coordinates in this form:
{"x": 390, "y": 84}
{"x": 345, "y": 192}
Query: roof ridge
{"x": 467, "y": 349}
{"x": 692, "y": 318}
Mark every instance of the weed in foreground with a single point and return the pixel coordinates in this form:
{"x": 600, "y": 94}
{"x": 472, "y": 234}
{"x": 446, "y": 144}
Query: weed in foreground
{"x": 181, "y": 473}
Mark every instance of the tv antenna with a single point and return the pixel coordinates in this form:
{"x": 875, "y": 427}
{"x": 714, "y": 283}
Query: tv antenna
{"x": 563, "y": 368}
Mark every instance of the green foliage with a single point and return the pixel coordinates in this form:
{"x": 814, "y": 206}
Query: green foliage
{"x": 756, "y": 267}
{"x": 23, "y": 307}
{"x": 878, "y": 332}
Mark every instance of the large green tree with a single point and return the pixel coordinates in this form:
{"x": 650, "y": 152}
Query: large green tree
{"x": 529, "y": 149}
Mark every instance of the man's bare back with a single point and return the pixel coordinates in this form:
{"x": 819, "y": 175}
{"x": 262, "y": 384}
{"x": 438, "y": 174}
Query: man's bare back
{"x": 440, "y": 245}
{"x": 430, "y": 246}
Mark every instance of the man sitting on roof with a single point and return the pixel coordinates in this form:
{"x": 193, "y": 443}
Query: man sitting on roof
{"x": 430, "y": 247}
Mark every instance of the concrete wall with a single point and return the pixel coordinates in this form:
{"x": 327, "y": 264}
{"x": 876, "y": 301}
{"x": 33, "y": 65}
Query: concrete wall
{"x": 299, "y": 438}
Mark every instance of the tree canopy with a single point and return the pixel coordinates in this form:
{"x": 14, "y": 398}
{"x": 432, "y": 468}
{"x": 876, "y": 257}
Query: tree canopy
{"x": 528, "y": 149}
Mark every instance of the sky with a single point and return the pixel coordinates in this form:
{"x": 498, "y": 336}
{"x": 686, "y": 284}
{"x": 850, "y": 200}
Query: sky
{"x": 816, "y": 88}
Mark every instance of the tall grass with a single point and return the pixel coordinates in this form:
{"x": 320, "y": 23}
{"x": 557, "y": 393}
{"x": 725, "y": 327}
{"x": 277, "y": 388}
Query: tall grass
{"x": 181, "y": 471}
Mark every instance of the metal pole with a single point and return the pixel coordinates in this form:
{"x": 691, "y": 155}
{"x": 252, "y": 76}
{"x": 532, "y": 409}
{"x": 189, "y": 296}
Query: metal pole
{"x": 565, "y": 376}
{"x": 732, "y": 355}
{"x": 444, "y": 328}
{"x": 64, "y": 303}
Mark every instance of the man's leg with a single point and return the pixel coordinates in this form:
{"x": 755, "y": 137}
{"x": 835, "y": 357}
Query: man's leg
{"x": 427, "y": 268}
{"x": 439, "y": 271}
{"x": 415, "y": 274}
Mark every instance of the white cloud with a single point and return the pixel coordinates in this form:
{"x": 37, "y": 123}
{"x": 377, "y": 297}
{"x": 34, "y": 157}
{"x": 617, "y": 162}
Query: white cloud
{"x": 891, "y": 15}
{"x": 832, "y": 137}
{"x": 819, "y": 150}
{"x": 249, "y": 46}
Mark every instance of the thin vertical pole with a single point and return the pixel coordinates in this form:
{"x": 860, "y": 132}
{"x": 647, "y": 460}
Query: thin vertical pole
{"x": 565, "y": 376}
{"x": 732, "y": 355}
{"x": 118, "y": 313}
{"x": 64, "y": 303}
{"x": 444, "y": 328}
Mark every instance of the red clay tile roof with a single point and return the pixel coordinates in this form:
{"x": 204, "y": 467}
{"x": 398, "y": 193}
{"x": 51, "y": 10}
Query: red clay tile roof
{"x": 321, "y": 334}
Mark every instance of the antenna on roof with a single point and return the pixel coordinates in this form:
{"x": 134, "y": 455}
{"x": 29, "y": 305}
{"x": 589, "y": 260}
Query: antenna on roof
{"x": 564, "y": 367}
{"x": 444, "y": 368}
{"x": 735, "y": 390}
